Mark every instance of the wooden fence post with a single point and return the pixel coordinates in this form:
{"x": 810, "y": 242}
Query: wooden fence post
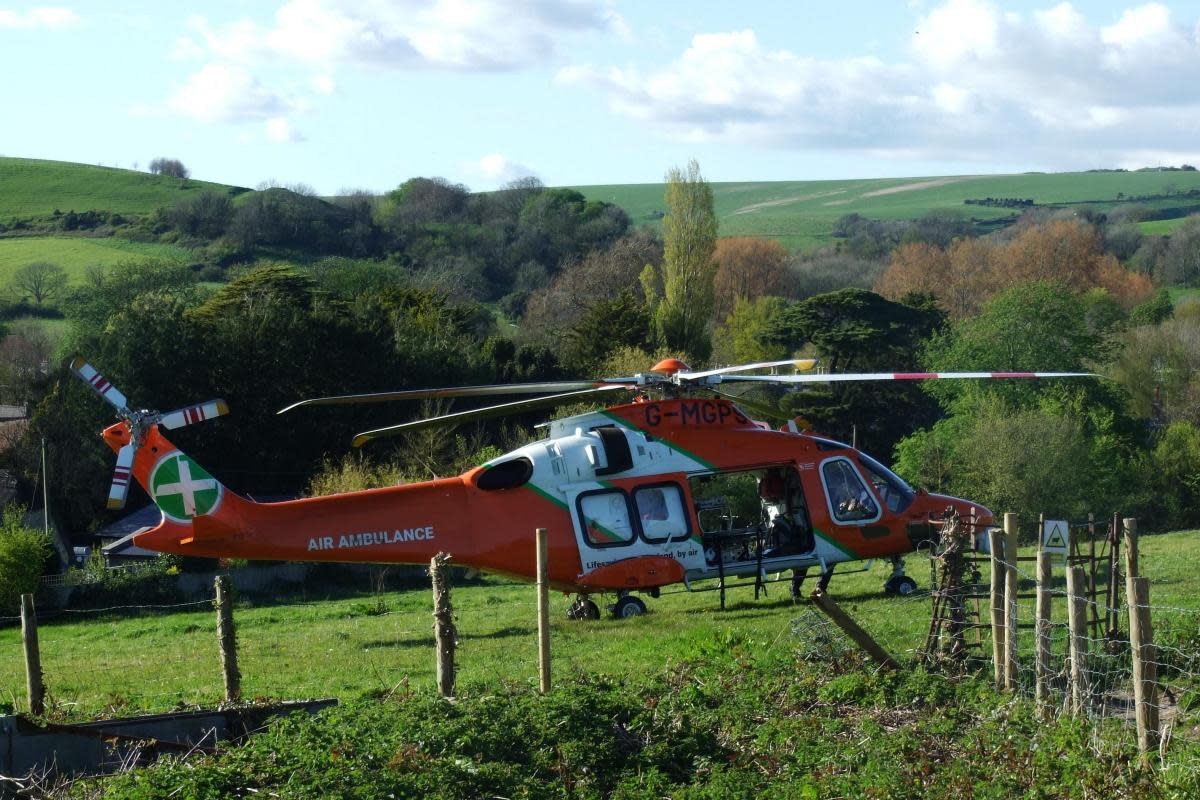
{"x": 444, "y": 633}
{"x": 853, "y": 630}
{"x": 1131, "y": 548}
{"x": 996, "y": 545}
{"x": 33, "y": 657}
{"x": 1041, "y": 650}
{"x": 1145, "y": 668}
{"x": 1010, "y": 602}
{"x": 227, "y": 638}
{"x": 1077, "y": 621}
{"x": 543, "y": 613}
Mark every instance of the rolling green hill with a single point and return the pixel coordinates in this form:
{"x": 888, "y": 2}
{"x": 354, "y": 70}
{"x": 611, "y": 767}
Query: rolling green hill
{"x": 31, "y": 187}
{"x": 800, "y": 214}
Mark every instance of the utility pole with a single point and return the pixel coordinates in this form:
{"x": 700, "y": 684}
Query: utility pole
{"x": 45, "y": 492}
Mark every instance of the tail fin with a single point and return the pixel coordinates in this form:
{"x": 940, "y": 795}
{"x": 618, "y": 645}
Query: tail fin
{"x": 183, "y": 491}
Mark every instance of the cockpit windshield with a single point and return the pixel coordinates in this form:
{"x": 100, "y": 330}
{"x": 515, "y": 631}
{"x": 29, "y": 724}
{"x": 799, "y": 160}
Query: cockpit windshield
{"x": 896, "y": 494}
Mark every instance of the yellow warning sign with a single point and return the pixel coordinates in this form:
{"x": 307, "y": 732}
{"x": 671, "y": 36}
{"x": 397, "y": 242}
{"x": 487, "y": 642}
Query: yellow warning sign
{"x": 1056, "y": 536}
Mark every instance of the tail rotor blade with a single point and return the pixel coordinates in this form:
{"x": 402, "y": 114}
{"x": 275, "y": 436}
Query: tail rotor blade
{"x": 122, "y": 474}
{"x": 193, "y": 414}
{"x": 99, "y": 384}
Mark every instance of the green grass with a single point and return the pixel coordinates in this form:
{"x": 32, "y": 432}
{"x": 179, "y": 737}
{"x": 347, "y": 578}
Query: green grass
{"x": 32, "y": 187}
{"x": 1163, "y": 227}
{"x": 353, "y": 647}
{"x": 76, "y": 254}
{"x": 1180, "y": 295}
{"x": 800, "y": 214}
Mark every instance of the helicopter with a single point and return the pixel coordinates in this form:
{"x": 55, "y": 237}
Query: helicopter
{"x": 674, "y": 485}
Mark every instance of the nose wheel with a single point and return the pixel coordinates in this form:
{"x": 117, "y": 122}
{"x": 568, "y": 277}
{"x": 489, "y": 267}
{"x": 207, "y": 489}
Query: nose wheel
{"x": 899, "y": 584}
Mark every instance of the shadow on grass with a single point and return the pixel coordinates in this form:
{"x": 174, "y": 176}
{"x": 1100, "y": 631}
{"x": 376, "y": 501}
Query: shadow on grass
{"x": 427, "y": 641}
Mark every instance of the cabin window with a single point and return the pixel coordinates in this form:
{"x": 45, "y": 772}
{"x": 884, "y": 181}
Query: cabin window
{"x": 897, "y": 495}
{"x": 850, "y": 501}
{"x": 606, "y": 519}
{"x": 661, "y": 512}
{"x": 505, "y": 475}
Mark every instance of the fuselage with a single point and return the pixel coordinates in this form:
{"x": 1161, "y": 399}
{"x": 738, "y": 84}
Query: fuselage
{"x": 635, "y": 496}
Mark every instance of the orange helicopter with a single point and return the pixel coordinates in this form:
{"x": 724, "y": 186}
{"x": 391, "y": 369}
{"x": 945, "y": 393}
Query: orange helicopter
{"x": 670, "y": 488}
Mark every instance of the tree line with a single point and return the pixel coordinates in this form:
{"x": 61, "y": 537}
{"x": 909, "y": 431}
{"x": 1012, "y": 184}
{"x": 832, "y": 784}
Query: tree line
{"x": 432, "y": 285}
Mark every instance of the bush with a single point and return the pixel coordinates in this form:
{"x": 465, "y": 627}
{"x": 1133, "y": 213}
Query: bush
{"x": 23, "y": 555}
{"x": 150, "y": 584}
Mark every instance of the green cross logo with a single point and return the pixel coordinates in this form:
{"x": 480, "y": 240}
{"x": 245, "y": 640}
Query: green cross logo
{"x": 182, "y": 489}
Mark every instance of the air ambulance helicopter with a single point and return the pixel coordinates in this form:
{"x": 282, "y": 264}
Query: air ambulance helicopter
{"x": 675, "y": 485}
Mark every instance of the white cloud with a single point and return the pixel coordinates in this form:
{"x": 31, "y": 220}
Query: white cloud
{"x": 411, "y": 34}
{"x": 279, "y": 129}
{"x": 227, "y": 93}
{"x": 494, "y": 170}
{"x": 977, "y": 80}
{"x": 38, "y": 17}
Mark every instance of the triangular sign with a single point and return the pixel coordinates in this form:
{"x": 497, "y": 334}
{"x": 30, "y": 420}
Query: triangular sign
{"x": 1055, "y": 538}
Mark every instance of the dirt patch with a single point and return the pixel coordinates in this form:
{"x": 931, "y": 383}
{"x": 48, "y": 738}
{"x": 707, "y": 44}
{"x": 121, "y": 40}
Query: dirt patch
{"x": 783, "y": 201}
{"x": 911, "y": 187}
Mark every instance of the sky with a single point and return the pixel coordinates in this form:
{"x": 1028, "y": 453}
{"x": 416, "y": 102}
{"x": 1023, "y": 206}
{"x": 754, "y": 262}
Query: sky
{"x": 341, "y": 95}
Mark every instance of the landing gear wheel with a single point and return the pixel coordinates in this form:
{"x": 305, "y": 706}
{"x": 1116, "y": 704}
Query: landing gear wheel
{"x": 583, "y": 609}
{"x": 628, "y": 606}
{"x": 901, "y": 585}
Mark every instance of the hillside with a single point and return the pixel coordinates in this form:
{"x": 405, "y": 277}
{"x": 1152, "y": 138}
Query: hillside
{"x": 32, "y": 187}
{"x": 801, "y": 214}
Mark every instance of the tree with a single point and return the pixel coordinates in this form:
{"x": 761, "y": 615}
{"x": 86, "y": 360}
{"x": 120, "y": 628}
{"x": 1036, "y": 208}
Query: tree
{"x": 171, "y": 167}
{"x": 40, "y": 281}
{"x": 743, "y": 338}
{"x": 23, "y": 555}
{"x": 747, "y": 268}
{"x": 689, "y": 239}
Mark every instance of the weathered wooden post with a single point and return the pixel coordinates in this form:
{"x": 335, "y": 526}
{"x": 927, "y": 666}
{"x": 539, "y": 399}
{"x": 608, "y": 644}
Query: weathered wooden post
{"x": 1010, "y": 602}
{"x": 543, "y": 613}
{"x": 444, "y": 633}
{"x": 1145, "y": 669}
{"x": 1114, "y": 561}
{"x": 1041, "y": 651}
{"x": 227, "y": 638}
{"x": 1077, "y": 621}
{"x": 33, "y": 657}
{"x": 1131, "y": 548}
{"x": 996, "y": 545}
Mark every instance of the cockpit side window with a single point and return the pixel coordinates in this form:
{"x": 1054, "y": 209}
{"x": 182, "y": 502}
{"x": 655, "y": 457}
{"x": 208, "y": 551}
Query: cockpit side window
{"x": 850, "y": 501}
{"x": 896, "y": 494}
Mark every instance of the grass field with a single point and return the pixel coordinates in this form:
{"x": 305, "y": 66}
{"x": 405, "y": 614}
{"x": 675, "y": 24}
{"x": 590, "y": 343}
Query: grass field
{"x": 800, "y": 214}
{"x": 1180, "y": 295}
{"x": 1163, "y": 227}
{"x": 31, "y": 187}
{"x": 76, "y": 254}
{"x": 354, "y": 647}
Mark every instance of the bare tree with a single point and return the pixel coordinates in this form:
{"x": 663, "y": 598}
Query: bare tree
{"x": 39, "y": 280}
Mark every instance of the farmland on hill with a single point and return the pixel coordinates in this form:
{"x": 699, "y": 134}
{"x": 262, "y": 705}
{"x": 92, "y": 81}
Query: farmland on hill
{"x": 801, "y": 214}
{"x": 32, "y": 187}
{"x": 76, "y": 254}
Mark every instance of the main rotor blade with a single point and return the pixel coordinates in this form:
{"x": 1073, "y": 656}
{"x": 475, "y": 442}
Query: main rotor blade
{"x": 99, "y": 384}
{"x": 120, "y": 482}
{"x": 798, "y": 363}
{"x": 454, "y": 391}
{"x": 193, "y": 414}
{"x": 760, "y": 408}
{"x": 902, "y": 376}
{"x": 488, "y": 412}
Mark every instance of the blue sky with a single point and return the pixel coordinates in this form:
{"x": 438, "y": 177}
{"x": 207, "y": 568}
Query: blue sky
{"x": 339, "y": 94}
